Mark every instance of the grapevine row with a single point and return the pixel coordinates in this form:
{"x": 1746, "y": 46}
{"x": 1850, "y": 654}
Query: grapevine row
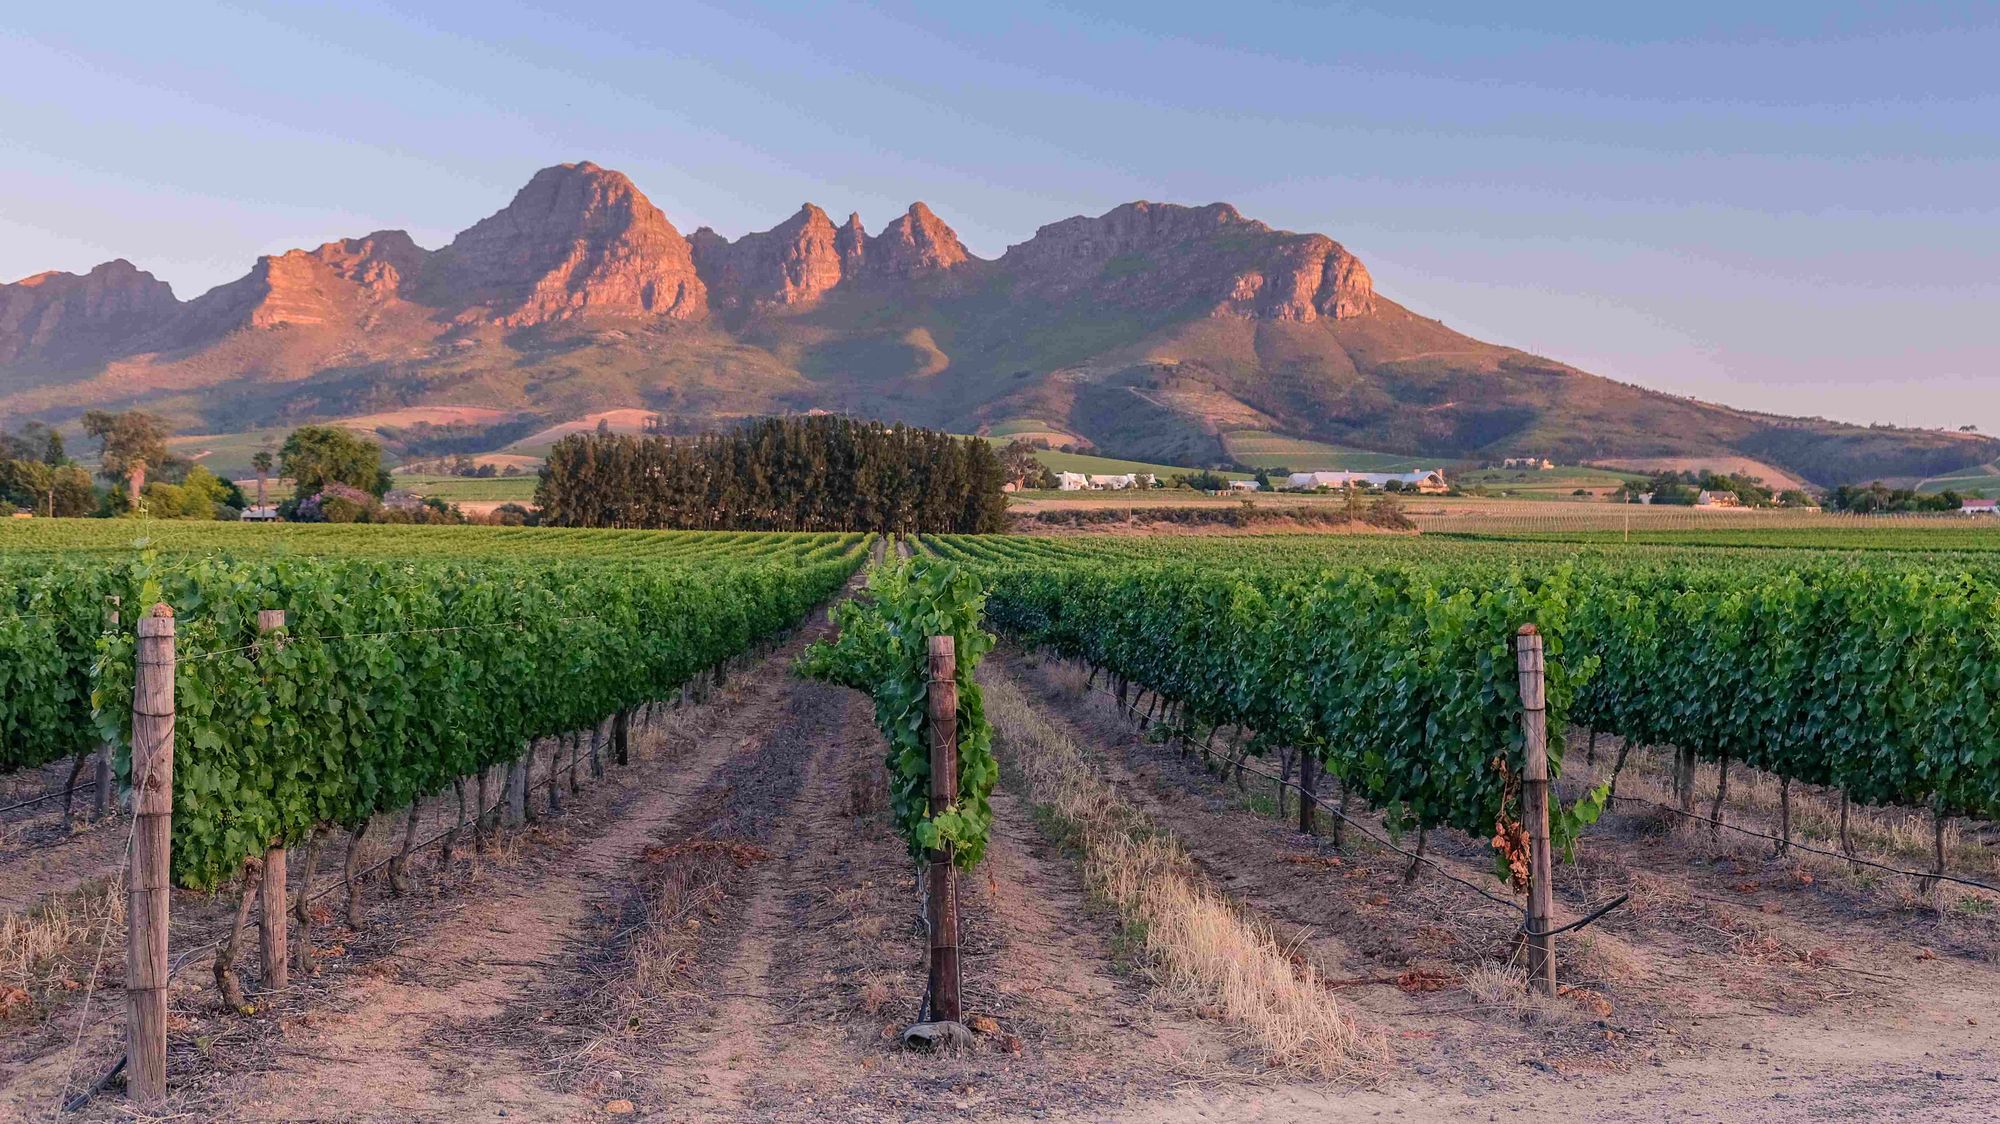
{"x": 1874, "y": 674}
{"x": 390, "y": 679}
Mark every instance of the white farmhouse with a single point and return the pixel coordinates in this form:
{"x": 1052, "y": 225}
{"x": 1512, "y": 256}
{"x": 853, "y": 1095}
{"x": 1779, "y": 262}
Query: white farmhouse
{"x": 1431, "y": 480}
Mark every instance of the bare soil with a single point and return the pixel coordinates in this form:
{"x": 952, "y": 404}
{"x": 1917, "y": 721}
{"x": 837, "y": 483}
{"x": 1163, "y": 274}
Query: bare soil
{"x": 1720, "y": 991}
{"x": 37, "y": 850}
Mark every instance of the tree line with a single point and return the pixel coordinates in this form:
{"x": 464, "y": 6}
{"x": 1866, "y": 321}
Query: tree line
{"x": 817, "y": 473}
{"x": 337, "y": 476}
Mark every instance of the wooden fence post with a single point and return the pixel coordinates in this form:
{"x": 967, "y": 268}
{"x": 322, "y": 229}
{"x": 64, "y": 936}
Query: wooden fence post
{"x": 147, "y": 883}
{"x": 1535, "y": 809}
{"x": 942, "y": 700}
{"x": 271, "y": 942}
{"x": 104, "y": 799}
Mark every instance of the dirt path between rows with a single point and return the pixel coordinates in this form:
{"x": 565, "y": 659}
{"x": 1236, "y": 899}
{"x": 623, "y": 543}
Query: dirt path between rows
{"x": 1921, "y": 1040}
{"x": 405, "y": 1043}
{"x": 791, "y": 1009}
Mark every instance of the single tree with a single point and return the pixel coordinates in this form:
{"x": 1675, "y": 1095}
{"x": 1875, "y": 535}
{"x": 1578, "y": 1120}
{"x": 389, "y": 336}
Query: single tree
{"x": 1020, "y": 464}
{"x": 130, "y": 443}
{"x": 262, "y": 462}
{"x": 38, "y": 478}
{"x": 317, "y": 455}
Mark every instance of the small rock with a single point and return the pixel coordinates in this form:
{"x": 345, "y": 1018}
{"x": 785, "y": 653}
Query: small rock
{"x": 620, "y": 1107}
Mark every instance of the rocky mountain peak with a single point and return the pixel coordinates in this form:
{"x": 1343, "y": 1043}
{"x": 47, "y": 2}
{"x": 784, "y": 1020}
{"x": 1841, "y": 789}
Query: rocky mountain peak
{"x": 578, "y": 240}
{"x": 791, "y": 264}
{"x": 918, "y": 242}
{"x": 56, "y": 317}
{"x": 1157, "y": 253}
{"x": 339, "y": 282}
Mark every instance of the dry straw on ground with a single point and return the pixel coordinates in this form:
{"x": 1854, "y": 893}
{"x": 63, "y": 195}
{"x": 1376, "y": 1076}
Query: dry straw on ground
{"x": 51, "y": 949}
{"x": 1203, "y": 951}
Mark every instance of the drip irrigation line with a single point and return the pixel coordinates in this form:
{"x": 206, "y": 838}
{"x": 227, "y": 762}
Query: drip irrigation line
{"x": 1580, "y": 922}
{"x": 1938, "y": 876}
{"x": 1358, "y": 826}
{"x": 78, "y": 787}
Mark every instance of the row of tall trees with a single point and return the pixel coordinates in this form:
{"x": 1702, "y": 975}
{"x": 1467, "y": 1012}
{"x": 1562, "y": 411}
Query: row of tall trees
{"x": 819, "y": 473}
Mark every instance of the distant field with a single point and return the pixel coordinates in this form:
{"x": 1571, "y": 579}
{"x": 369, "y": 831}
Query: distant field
{"x": 455, "y": 489}
{"x": 225, "y": 454}
{"x": 1771, "y": 475}
{"x": 1259, "y": 449}
{"x": 1562, "y": 481}
{"x": 1984, "y": 478}
{"x": 1030, "y": 429}
{"x": 1611, "y": 522}
{"x": 625, "y": 420}
{"x": 1083, "y": 462}
{"x": 1961, "y": 535}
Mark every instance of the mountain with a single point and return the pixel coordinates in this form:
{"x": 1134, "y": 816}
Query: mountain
{"x": 57, "y": 320}
{"x": 1151, "y": 331}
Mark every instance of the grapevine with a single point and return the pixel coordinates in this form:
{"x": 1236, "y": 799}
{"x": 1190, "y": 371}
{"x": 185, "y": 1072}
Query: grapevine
{"x": 882, "y": 648}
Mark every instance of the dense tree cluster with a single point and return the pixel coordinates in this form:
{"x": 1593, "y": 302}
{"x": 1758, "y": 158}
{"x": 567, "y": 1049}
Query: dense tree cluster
{"x": 820, "y": 473}
{"x": 1877, "y": 498}
{"x": 37, "y": 475}
{"x": 1684, "y": 488}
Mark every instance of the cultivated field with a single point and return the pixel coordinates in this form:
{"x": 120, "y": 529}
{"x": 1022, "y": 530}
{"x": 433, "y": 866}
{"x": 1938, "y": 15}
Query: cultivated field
{"x": 567, "y": 835}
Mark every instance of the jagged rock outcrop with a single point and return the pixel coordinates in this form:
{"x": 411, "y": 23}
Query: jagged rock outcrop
{"x": 917, "y": 243}
{"x": 792, "y": 264}
{"x": 800, "y": 260}
{"x": 852, "y": 243}
{"x": 337, "y": 283}
{"x": 578, "y": 240}
{"x": 55, "y": 317}
{"x": 1308, "y": 277}
{"x": 1161, "y": 254}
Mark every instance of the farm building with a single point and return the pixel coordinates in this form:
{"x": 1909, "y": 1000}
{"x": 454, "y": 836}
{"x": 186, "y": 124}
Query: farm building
{"x": 1244, "y": 486}
{"x": 1979, "y": 507}
{"x": 260, "y": 513}
{"x": 1538, "y": 463}
{"x": 1431, "y": 480}
{"x": 1098, "y": 481}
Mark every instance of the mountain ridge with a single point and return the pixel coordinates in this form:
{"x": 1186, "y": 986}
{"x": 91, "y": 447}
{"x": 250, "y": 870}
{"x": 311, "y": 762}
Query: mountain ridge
{"x": 1146, "y": 331}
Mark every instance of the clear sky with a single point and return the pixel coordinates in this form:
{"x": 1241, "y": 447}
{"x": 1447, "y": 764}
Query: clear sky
{"x": 1788, "y": 206}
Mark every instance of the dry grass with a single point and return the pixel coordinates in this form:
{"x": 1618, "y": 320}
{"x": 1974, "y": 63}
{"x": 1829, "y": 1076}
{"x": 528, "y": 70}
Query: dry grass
{"x": 1202, "y": 950}
{"x": 687, "y": 893}
{"x": 51, "y": 950}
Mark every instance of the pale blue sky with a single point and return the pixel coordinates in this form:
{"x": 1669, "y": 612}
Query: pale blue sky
{"x": 1784, "y": 206}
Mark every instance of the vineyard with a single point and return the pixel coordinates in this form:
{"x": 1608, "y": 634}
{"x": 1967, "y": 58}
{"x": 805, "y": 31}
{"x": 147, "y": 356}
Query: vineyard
{"x": 1433, "y": 824}
{"x": 1874, "y": 676}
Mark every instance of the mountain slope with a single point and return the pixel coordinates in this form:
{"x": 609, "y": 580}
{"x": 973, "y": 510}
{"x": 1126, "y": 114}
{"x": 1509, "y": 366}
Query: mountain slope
{"x": 1147, "y": 331}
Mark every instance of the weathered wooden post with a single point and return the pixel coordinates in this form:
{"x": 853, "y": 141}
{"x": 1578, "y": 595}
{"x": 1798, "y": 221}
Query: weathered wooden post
{"x": 271, "y": 942}
{"x": 147, "y": 882}
{"x": 942, "y": 700}
{"x": 1535, "y": 808}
